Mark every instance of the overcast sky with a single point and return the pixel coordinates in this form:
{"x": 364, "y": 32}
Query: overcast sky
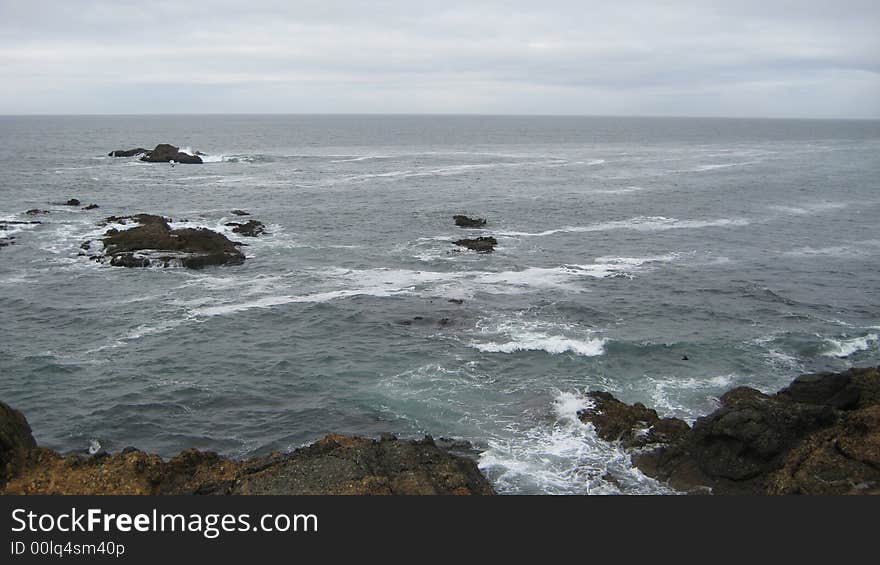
{"x": 767, "y": 58}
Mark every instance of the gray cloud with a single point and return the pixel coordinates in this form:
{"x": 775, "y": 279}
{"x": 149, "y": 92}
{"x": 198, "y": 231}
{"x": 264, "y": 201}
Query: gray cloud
{"x": 744, "y": 58}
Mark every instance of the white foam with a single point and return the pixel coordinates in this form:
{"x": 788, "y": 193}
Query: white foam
{"x": 542, "y": 342}
{"x": 843, "y": 348}
{"x": 563, "y": 456}
{"x": 639, "y": 223}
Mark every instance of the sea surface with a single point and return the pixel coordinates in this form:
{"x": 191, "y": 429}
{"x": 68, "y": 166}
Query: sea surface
{"x": 750, "y": 246}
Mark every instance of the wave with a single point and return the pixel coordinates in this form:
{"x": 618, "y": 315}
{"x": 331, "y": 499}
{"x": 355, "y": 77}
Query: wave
{"x": 638, "y": 223}
{"x": 562, "y": 455}
{"x": 810, "y": 208}
{"x": 843, "y": 348}
{"x": 548, "y": 343}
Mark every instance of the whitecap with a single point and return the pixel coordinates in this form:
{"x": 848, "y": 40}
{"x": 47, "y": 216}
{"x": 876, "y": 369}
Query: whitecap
{"x": 843, "y": 348}
{"x": 638, "y": 223}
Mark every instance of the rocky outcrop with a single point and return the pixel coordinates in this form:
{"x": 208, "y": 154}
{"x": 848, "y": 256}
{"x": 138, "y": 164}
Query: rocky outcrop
{"x": 484, "y": 244}
{"x": 633, "y": 426}
{"x": 154, "y": 243}
{"x": 466, "y": 222}
{"x": 127, "y": 152}
{"x": 165, "y": 153}
{"x": 819, "y": 435}
{"x": 16, "y": 442}
{"x": 251, "y": 228}
{"x": 335, "y": 464}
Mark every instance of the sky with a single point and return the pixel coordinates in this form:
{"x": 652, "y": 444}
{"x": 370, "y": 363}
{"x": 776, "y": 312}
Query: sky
{"x": 736, "y": 58}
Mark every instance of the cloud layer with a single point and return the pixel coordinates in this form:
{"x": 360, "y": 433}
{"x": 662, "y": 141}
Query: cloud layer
{"x": 746, "y": 58}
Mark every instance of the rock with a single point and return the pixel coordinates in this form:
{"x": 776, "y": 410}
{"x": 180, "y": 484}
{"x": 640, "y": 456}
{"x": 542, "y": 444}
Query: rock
{"x": 352, "y": 465}
{"x": 819, "y": 435}
{"x": 466, "y": 222}
{"x": 456, "y": 300}
{"x": 633, "y": 425}
{"x": 241, "y": 213}
{"x": 7, "y": 241}
{"x": 127, "y": 152}
{"x": 165, "y": 153}
{"x": 422, "y": 321}
{"x": 72, "y": 202}
{"x": 16, "y": 441}
{"x": 91, "y": 207}
{"x": 485, "y": 244}
{"x": 333, "y": 465}
{"x": 251, "y": 228}
{"x": 153, "y": 242}
{"x": 36, "y": 212}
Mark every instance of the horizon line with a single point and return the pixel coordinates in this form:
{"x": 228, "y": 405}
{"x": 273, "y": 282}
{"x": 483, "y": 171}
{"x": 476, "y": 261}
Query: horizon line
{"x": 438, "y": 114}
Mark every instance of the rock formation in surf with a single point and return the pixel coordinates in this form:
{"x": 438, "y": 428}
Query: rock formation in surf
{"x": 466, "y": 222}
{"x": 819, "y": 435}
{"x": 163, "y": 153}
{"x": 251, "y": 228}
{"x": 127, "y": 152}
{"x": 153, "y": 243}
{"x": 483, "y": 244}
{"x": 335, "y": 464}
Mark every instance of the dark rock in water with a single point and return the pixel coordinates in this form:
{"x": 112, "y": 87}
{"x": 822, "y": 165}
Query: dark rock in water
{"x": 422, "y": 321}
{"x": 153, "y": 242}
{"x": 91, "y": 207}
{"x": 335, "y": 464}
{"x": 480, "y": 244}
{"x": 251, "y": 228}
{"x": 16, "y": 441}
{"x": 819, "y": 435}
{"x": 72, "y": 202}
{"x": 127, "y": 152}
{"x": 165, "y": 153}
{"x": 7, "y": 241}
{"x": 634, "y": 425}
{"x": 36, "y": 212}
{"x": 466, "y": 222}
{"x": 241, "y": 213}
{"x": 456, "y": 300}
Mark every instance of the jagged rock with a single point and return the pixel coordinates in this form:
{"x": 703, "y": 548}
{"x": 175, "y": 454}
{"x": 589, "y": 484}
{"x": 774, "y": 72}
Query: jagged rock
{"x": 821, "y": 435}
{"x": 632, "y": 425}
{"x": 16, "y": 441}
{"x": 91, "y": 207}
{"x": 153, "y": 242}
{"x": 72, "y": 202}
{"x": 352, "y": 465}
{"x": 335, "y": 464}
{"x": 484, "y": 244}
{"x": 251, "y": 228}
{"x": 466, "y": 222}
{"x": 127, "y": 152}
{"x": 165, "y": 153}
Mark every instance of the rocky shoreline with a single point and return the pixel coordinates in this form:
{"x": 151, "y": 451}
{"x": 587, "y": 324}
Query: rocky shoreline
{"x": 819, "y": 435}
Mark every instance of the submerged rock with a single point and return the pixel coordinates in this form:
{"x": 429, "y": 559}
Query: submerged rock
{"x": 165, "y": 153}
{"x": 127, "y": 152}
{"x": 335, "y": 464}
{"x": 154, "y": 243}
{"x": 36, "y": 212}
{"x": 466, "y": 222}
{"x": 241, "y": 213}
{"x": 251, "y": 228}
{"x": 484, "y": 244}
{"x": 72, "y": 202}
{"x": 91, "y": 207}
{"x": 819, "y": 435}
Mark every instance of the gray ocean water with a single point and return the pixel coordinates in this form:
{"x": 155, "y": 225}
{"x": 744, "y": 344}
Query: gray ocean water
{"x": 750, "y": 246}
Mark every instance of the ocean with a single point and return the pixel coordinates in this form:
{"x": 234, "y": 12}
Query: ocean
{"x": 624, "y": 245}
